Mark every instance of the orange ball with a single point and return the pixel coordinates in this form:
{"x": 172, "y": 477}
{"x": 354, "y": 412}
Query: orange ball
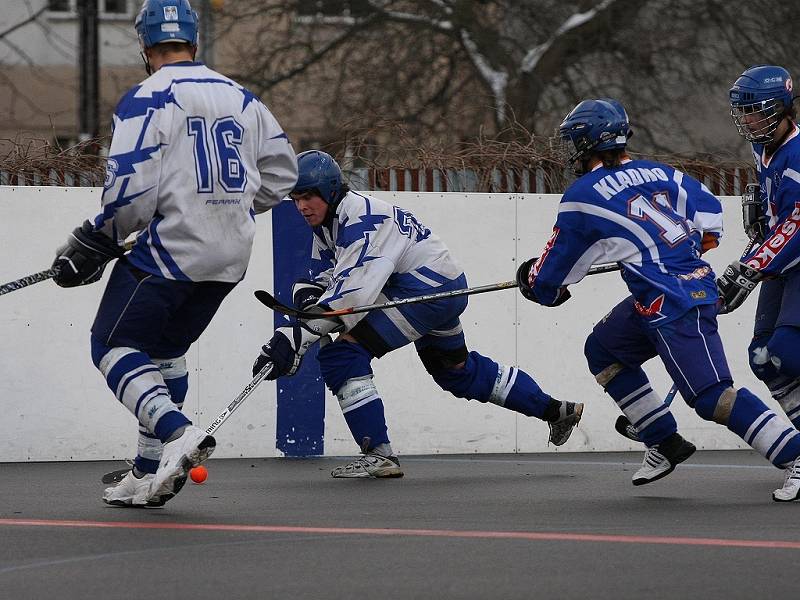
{"x": 199, "y": 474}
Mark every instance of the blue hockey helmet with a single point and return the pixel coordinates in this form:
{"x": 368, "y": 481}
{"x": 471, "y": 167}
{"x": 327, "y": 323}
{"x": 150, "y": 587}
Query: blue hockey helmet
{"x": 594, "y": 126}
{"x": 759, "y": 99}
{"x": 318, "y": 171}
{"x": 162, "y": 21}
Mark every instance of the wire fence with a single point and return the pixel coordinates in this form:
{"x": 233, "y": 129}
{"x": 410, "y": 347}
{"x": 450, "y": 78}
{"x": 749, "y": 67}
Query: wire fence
{"x": 493, "y": 166}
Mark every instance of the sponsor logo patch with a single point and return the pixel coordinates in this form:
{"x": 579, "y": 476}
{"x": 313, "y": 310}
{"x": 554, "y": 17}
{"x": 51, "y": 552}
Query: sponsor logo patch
{"x": 698, "y": 273}
{"x": 776, "y": 242}
{"x": 699, "y": 295}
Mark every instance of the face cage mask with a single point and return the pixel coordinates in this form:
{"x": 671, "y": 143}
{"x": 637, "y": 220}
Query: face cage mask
{"x": 572, "y": 154}
{"x": 758, "y": 121}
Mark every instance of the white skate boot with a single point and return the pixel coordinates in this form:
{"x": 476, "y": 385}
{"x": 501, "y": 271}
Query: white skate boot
{"x": 569, "y": 415}
{"x": 791, "y": 484}
{"x": 370, "y": 465}
{"x": 131, "y": 492}
{"x": 178, "y": 457}
{"x": 661, "y": 460}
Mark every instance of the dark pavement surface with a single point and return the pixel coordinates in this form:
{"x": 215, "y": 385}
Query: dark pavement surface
{"x": 479, "y": 526}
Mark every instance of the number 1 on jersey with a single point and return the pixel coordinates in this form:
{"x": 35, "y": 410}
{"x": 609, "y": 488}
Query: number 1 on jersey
{"x": 655, "y": 210}
{"x": 224, "y": 140}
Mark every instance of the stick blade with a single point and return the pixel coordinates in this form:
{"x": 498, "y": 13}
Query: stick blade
{"x": 115, "y": 476}
{"x": 266, "y": 298}
{"x": 625, "y": 429}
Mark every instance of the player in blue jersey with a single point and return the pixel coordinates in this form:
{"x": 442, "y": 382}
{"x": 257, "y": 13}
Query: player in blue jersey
{"x": 366, "y": 251}
{"x": 762, "y": 109}
{"x": 193, "y": 158}
{"x": 651, "y": 219}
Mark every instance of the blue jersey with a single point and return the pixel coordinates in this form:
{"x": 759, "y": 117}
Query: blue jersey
{"x": 648, "y": 217}
{"x": 779, "y": 177}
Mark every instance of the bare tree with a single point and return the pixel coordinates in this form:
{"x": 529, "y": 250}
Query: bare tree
{"x": 457, "y": 67}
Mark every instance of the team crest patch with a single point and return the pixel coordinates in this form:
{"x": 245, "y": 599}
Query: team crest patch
{"x": 170, "y": 13}
{"x": 699, "y": 295}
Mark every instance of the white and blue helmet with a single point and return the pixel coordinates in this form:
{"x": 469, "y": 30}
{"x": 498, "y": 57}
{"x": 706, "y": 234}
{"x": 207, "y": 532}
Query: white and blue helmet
{"x": 161, "y": 21}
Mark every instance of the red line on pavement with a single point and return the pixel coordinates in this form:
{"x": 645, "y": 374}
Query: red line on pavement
{"x": 441, "y": 533}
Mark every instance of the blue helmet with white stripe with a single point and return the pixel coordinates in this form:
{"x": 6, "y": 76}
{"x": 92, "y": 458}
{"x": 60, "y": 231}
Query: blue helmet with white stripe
{"x": 162, "y": 21}
{"x": 318, "y": 171}
{"x": 594, "y": 126}
{"x": 759, "y": 99}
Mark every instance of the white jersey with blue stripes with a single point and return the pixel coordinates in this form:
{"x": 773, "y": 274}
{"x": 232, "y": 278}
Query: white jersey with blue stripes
{"x": 193, "y": 158}
{"x": 370, "y": 247}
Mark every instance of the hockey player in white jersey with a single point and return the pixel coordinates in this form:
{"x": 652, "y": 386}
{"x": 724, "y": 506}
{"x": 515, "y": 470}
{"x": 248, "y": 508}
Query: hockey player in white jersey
{"x": 366, "y": 250}
{"x": 193, "y": 158}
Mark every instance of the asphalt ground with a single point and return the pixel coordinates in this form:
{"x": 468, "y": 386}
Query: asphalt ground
{"x": 479, "y": 526}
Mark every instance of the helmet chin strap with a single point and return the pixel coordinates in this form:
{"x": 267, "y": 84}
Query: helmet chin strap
{"x": 146, "y": 62}
{"x": 772, "y": 146}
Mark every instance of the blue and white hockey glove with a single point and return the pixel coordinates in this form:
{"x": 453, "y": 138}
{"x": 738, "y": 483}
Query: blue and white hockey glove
{"x": 84, "y": 257}
{"x": 306, "y": 293}
{"x": 289, "y": 343}
{"x": 735, "y": 285}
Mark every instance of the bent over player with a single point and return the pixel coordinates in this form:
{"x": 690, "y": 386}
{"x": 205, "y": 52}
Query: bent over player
{"x": 651, "y": 219}
{"x": 377, "y": 251}
{"x": 194, "y": 156}
{"x": 762, "y": 109}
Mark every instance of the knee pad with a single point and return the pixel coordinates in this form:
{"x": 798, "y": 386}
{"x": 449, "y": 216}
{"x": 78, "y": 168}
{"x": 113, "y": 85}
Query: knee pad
{"x": 602, "y": 364}
{"x": 783, "y": 351}
{"x": 342, "y": 361}
{"x": 176, "y": 376}
{"x": 356, "y": 392}
{"x": 480, "y": 379}
{"x": 436, "y": 359}
{"x": 758, "y": 355}
{"x": 716, "y": 403}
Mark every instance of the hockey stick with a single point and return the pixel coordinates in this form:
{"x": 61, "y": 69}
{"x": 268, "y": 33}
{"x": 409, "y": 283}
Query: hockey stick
{"x": 623, "y": 426}
{"x": 271, "y": 302}
{"x": 116, "y": 476}
{"x": 22, "y": 282}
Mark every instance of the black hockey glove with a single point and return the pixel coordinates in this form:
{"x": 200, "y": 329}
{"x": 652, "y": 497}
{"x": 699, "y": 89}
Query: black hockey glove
{"x": 735, "y": 285}
{"x": 289, "y": 343}
{"x": 84, "y": 257}
{"x": 280, "y": 352}
{"x": 754, "y": 221}
{"x": 306, "y": 293}
{"x": 523, "y": 279}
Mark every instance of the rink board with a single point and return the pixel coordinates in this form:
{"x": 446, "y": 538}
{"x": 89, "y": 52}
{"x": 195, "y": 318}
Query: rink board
{"x": 56, "y": 405}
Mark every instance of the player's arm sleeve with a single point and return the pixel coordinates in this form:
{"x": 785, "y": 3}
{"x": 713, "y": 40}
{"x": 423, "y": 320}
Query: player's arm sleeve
{"x": 277, "y": 164}
{"x": 705, "y": 214}
{"x": 366, "y": 254}
{"x": 133, "y": 169}
{"x": 780, "y": 251}
{"x": 566, "y": 258}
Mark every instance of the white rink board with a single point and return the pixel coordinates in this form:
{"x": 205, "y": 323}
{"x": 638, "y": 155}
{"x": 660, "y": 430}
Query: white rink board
{"x": 56, "y": 405}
